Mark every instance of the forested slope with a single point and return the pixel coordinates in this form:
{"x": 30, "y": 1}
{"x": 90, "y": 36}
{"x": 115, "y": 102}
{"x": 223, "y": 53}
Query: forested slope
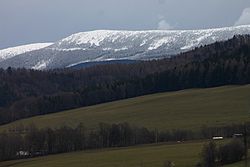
{"x": 25, "y": 93}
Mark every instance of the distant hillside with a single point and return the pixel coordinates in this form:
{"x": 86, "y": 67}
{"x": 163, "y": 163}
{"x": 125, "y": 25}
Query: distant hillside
{"x": 188, "y": 109}
{"x": 25, "y": 93}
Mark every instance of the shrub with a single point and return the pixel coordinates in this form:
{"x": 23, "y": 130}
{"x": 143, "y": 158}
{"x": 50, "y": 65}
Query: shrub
{"x": 231, "y": 152}
{"x": 168, "y": 164}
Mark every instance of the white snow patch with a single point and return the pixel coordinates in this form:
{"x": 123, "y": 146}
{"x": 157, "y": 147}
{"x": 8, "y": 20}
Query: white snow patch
{"x": 74, "y": 64}
{"x": 158, "y": 43}
{"x": 94, "y": 38}
{"x": 41, "y": 65}
{"x": 121, "y": 49}
{"x": 143, "y": 42}
{"x": 69, "y": 49}
{"x": 106, "y": 49}
{"x": 13, "y": 51}
{"x": 196, "y": 42}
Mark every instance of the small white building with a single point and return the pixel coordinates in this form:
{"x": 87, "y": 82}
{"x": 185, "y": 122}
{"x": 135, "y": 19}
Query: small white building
{"x": 218, "y": 138}
{"x": 22, "y": 153}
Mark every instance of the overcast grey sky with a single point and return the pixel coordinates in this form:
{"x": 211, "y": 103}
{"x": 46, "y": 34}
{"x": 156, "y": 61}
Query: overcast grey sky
{"x": 29, "y": 21}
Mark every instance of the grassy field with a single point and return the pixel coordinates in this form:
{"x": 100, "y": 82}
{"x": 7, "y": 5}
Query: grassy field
{"x": 188, "y": 109}
{"x": 183, "y": 155}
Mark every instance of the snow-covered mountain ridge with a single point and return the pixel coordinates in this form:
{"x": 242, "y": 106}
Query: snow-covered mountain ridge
{"x": 13, "y": 51}
{"x": 106, "y": 45}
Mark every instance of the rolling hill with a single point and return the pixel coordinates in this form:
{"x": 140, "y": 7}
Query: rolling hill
{"x": 187, "y": 109}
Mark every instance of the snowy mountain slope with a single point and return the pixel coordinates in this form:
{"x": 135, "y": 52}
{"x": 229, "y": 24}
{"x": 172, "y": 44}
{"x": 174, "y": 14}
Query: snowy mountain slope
{"x": 13, "y": 51}
{"x": 106, "y": 45}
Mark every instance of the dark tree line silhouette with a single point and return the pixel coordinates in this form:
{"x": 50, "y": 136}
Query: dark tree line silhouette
{"x": 36, "y": 142}
{"x": 26, "y": 93}
{"x": 25, "y": 142}
{"x": 214, "y": 155}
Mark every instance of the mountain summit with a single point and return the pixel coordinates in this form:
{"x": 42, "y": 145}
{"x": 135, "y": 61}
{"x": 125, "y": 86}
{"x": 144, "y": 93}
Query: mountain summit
{"x": 106, "y": 45}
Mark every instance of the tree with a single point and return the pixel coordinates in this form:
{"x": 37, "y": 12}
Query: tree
{"x": 209, "y": 154}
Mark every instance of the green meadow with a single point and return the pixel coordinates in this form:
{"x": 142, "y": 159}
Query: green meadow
{"x": 187, "y": 109}
{"x": 181, "y": 154}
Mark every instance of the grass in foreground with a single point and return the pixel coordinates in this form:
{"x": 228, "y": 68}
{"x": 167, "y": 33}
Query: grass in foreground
{"x": 183, "y": 155}
{"x": 188, "y": 109}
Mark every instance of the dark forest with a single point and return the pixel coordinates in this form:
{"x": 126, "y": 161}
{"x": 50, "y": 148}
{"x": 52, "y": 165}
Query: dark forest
{"x": 26, "y": 93}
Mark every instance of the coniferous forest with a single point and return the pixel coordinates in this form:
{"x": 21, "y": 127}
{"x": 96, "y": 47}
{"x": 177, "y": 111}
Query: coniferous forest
{"x": 25, "y": 93}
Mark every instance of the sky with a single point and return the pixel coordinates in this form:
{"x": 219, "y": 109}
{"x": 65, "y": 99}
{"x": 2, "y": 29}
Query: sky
{"x": 31, "y": 21}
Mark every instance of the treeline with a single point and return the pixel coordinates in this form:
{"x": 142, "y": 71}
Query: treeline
{"x": 30, "y": 141}
{"x": 214, "y": 155}
{"x": 25, "y": 93}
